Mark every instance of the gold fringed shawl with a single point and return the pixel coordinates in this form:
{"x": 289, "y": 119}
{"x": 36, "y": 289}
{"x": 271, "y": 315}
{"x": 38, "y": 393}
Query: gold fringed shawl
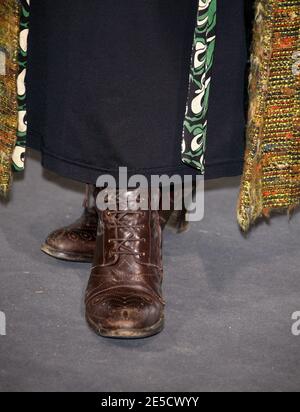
{"x": 271, "y": 179}
{"x": 9, "y": 42}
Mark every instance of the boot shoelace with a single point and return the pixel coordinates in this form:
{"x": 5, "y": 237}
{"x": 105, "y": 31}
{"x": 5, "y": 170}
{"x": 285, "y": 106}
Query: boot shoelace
{"x": 119, "y": 223}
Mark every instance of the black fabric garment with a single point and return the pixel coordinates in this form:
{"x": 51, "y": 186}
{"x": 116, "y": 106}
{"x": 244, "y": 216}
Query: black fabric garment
{"x": 107, "y": 86}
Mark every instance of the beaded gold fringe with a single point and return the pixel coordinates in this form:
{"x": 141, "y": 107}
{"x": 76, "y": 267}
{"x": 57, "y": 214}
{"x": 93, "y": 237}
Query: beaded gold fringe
{"x": 9, "y": 33}
{"x": 271, "y": 179}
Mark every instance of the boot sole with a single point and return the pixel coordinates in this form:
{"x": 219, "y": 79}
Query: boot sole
{"x": 69, "y": 257}
{"x": 127, "y": 333}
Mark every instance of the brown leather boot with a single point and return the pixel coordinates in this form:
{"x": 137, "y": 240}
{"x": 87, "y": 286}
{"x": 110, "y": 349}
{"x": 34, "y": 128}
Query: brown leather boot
{"x": 124, "y": 296}
{"x": 77, "y": 241}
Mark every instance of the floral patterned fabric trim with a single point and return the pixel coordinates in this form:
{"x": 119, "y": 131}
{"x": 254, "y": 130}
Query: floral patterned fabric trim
{"x": 195, "y": 123}
{"x": 9, "y": 35}
{"x": 271, "y": 179}
{"x": 18, "y": 157}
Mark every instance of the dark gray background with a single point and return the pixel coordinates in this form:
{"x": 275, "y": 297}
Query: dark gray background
{"x": 230, "y": 301}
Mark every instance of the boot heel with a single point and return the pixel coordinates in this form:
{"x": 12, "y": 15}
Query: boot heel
{"x": 177, "y": 221}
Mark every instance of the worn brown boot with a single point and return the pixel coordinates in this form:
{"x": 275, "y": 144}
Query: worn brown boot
{"x": 124, "y": 296}
{"x": 77, "y": 241}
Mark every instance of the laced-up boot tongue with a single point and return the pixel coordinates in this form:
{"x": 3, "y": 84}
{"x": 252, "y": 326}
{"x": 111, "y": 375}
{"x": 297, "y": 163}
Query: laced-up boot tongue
{"x": 129, "y": 232}
{"x": 127, "y": 224}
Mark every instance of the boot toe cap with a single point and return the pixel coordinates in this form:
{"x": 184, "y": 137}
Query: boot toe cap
{"x": 70, "y": 242}
{"x": 131, "y": 316}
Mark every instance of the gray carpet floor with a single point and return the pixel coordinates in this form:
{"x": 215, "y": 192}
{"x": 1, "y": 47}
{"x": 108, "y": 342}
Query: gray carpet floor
{"x": 230, "y": 300}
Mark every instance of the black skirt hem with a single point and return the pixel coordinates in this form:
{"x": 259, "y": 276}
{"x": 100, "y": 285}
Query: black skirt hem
{"x": 85, "y": 173}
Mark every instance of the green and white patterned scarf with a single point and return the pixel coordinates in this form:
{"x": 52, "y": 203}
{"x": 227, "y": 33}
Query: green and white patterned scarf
{"x": 195, "y": 123}
{"x": 18, "y": 157}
